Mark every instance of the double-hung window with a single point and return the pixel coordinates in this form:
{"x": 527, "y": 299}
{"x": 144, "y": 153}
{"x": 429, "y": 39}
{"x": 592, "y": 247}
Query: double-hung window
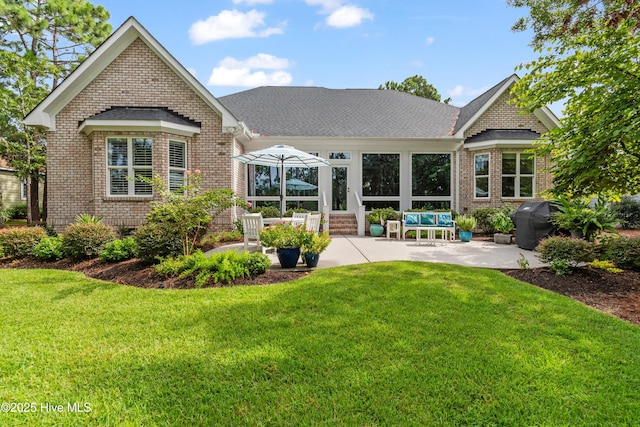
{"x": 127, "y": 159}
{"x": 518, "y": 173}
{"x": 481, "y": 176}
{"x": 177, "y": 164}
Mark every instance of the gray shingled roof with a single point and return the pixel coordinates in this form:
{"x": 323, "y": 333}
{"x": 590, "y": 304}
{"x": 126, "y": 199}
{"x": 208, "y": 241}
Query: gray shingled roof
{"x": 144, "y": 113}
{"x": 469, "y": 110}
{"x": 503, "y": 134}
{"x": 314, "y": 111}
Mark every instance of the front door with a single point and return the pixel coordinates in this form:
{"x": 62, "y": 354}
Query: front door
{"x": 340, "y": 190}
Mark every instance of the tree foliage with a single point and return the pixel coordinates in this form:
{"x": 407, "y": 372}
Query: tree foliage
{"x": 415, "y": 85}
{"x": 590, "y": 57}
{"x": 41, "y": 42}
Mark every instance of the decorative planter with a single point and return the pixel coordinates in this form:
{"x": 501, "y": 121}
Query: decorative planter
{"x": 288, "y": 257}
{"x": 376, "y": 230}
{"x": 465, "y": 236}
{"x": 503, "y": 239}
{"x": 311, "y": 260}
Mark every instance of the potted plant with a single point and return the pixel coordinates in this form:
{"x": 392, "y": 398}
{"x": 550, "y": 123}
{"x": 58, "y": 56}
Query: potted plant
{"x": 582, "y": 221}
{"x": 313, "y": 247}
{"x": 377, "y": 218}
{"x": 504, "y": 226}
{"x": 287, "y": 239}
{"x": 466, "y": 224}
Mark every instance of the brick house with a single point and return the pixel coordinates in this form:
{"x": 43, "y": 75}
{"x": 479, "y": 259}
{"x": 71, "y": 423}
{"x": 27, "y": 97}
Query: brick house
{"x": 131, "y": 109}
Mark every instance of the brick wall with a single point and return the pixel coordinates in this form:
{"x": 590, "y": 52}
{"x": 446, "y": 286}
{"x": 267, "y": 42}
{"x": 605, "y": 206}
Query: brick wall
{"x": 77, "y": 163}
{"x": 501, "y": 115}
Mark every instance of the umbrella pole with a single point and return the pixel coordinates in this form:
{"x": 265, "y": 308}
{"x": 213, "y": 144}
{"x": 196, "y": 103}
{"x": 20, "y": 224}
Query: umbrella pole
{"x": 282, "y": 186}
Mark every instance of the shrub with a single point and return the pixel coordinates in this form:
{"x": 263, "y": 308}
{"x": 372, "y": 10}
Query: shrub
{"x": 156, "y": 241}
{"x": 4, "y": 216}
{"x": 119, "y": 250}
{"x": 86, "y": 218}
{"x": 573, "y": 251}
{"x": 1, "y": 252}
{"x": 382, "y": 214}
{"x": 484, "y": 218}
{"x": 623, "y": 252}
{"x": 220, "y": 267}
{"x": 560, "y": 266}
{"x": 20, "y": 241}
{"x": 607, "y": 266}
{"x": 267, "y": 211}
{"x": 627, "y": 212}
{"x": 86, "y": 239}
{"x": 18, "y": 211}
{"x": 49, "y": 249}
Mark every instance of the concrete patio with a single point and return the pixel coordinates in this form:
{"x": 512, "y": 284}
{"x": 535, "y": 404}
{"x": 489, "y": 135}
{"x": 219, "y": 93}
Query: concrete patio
{"x": 345, "y": 250}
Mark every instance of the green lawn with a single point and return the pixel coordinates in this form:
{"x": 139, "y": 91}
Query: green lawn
{"x": 383, "y": 344}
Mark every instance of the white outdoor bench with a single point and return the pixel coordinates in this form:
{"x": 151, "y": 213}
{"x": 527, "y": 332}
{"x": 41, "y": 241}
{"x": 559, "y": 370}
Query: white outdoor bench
{"x": 429, "y": 222}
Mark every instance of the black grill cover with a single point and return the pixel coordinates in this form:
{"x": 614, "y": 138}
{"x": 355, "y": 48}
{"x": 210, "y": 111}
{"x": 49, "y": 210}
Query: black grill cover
{"x": 532, "y": 221}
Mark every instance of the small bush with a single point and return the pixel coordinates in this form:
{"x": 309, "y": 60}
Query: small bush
{"x": 573, "y": 251}
{"x": 267, "y": 211}
{"x": 5, "y": 215}
{"x": 86, "y": 239}
{"x": 220, "y": 267}
{"x": 484, "y": 219}
{"x": 18, "y": 211}
{"x": 119, "y": 250}
{"x": 623, "y": 252}
{"x": 19, "y": 242}
{"x": 49, "y": 249}
{"x": 607, "y": 266}
{"x": 560, "y": 266}
{"x": 156, "y": 241}
{"x": 627, "y": 212}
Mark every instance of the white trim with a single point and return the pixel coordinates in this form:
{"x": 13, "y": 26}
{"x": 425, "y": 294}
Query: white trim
{"x": 91, "y": 125}
{"x": 129, "y": 167}
{"x": 170, "y": 168}
{"x": 44, "y": 115}
{"x": 517, "y": 176}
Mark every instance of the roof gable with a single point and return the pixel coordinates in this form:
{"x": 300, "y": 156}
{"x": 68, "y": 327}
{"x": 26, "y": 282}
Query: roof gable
{"x": 44, "y": 114}
{"x": 471, "y": 112}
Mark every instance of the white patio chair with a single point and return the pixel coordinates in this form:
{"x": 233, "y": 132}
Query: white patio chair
{"x": 299, "y": 218}
{"x": 313, "y": 223}
{"x": 251, "y": 226}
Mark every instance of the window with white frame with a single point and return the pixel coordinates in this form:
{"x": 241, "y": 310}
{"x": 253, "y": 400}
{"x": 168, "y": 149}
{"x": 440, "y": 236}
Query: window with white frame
{"x": 177, "y": 164}
{"x": 481, "y": 176}
{"x": 518, "y": 174}
{"x": 128, "y": 158}
{"x": 23, "y": 189}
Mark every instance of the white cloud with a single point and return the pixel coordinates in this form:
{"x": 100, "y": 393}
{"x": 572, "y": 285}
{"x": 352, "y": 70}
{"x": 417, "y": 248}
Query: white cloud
{"x": 341, "y": 15}
{"x": 232, "y": 24}
{"x": 348, "y": 16}
{"x": 252, "y": 2}
{"x": 429, "y": 41}
{"x": 249, "y": 72}
{"x": 465, "y": 94}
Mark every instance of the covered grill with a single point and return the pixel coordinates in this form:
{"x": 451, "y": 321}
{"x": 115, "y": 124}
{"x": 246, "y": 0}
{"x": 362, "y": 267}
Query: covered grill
{"x": 533, "y": 223}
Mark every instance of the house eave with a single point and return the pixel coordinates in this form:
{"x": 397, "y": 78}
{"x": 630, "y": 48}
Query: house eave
{"x": 503, "y": 143}
{"x": 89, "y": 126}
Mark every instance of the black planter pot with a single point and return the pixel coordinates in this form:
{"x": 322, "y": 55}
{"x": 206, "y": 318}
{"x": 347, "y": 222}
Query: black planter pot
{"x": 311, "y": 260}
{"x": 288, "y": 257}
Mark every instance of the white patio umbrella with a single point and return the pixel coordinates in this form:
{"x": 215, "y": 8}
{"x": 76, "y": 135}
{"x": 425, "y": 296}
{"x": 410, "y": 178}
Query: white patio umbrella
{"x": 283, "y": 156}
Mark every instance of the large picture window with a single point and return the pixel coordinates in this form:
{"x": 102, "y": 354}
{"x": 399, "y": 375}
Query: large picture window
{"x": 381, "y": 175}
{"x": 431, "y": 175}
{"x": 128, "y": 158}
{"x": 481, "y": 175}
{"x": 518, "y": 174}
{"x": 177, "y": 164}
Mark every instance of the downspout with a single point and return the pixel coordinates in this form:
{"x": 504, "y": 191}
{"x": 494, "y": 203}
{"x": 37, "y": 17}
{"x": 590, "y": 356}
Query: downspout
{"x": 458, "y": 151}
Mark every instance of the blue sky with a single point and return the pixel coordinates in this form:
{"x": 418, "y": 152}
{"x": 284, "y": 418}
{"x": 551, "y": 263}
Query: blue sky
{"x": 462, "y": 47}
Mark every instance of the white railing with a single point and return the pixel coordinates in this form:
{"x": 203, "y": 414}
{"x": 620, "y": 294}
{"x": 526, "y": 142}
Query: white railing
{"x": 360, "y": 214}
{"x": 325, "y": 212}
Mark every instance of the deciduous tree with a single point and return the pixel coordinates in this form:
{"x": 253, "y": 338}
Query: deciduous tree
{"x": 41, "y": 42}
{"x": 589, "y": 58}
{"x": 415, "y": 85}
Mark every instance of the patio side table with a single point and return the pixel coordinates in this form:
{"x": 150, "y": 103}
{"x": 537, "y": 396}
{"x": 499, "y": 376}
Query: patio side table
{"x": 393, "y": 227}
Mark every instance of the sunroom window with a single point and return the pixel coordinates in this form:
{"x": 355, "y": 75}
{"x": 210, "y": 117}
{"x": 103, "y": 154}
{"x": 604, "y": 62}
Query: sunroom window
{"x": 518, "y": 173}
{"x": 128, "y": 158}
